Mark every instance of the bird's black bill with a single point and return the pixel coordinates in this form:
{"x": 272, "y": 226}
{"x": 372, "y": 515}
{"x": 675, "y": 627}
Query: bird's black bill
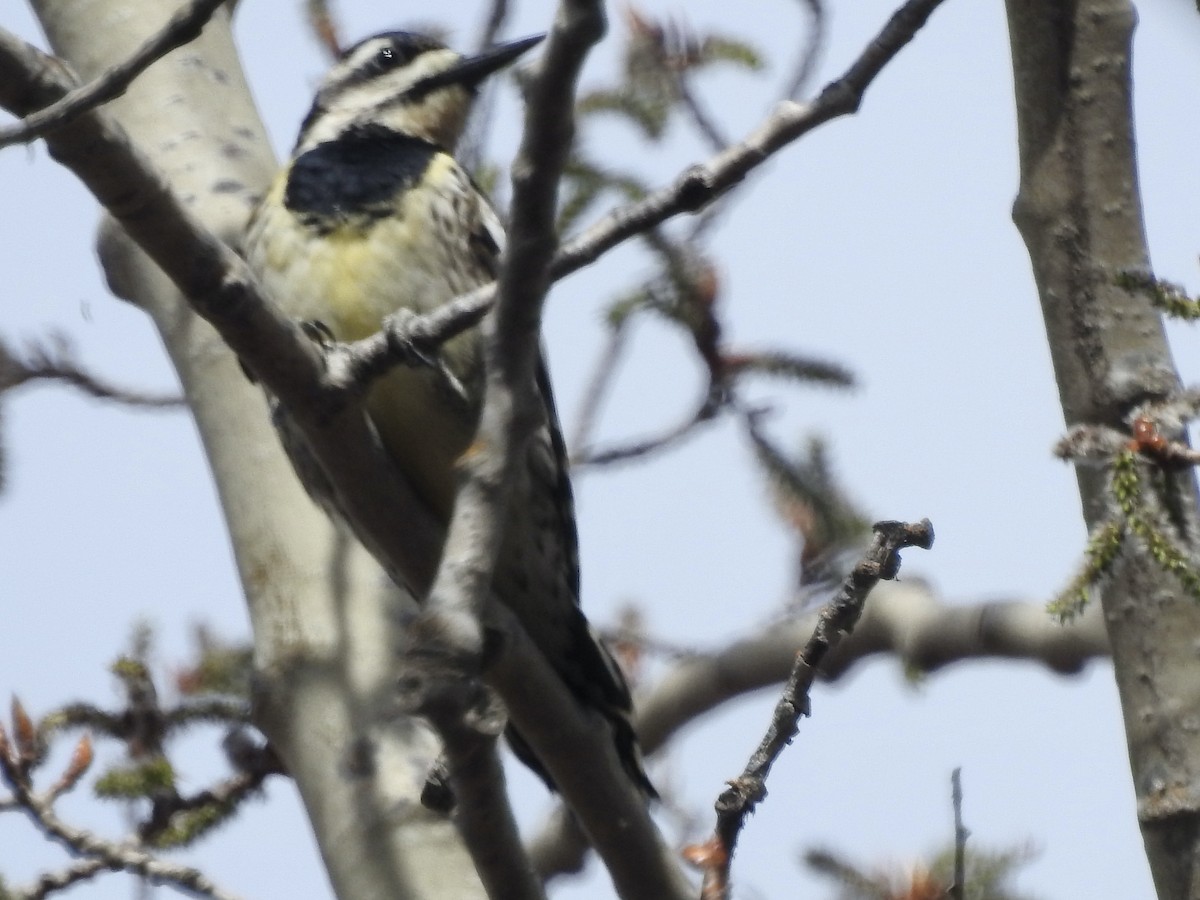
{"x": 473, "y": 69}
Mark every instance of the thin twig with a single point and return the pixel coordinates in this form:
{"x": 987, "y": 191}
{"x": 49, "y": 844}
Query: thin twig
{"x": 847, "y": 875}
{"x": 43, "y": 364}
{"x": 224, "y": 710}
{"x": 472, "y": 149}
{"x": 103, "y": 855}
{"x": 701, "y": 183}
{"x": 704, "y": 123}
{"x": 324, "y": 27}
{"x": 493, "y": 24}
{"x": 181, "y": 28}
{"x": 50, "y": 882}
{"x": 705, "y": 412}
{"x": 598, "y": 385}
{"x": 224, "y": 794}
{"x": 405, "y": 339}
{"x": 810, "y": 53}
{"x": 838, "y": 618}
{"x": 958, "y": 890}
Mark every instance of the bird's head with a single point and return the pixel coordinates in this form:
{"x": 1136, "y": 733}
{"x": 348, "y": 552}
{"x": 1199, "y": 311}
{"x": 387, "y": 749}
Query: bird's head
{"x": 408, "y": 83}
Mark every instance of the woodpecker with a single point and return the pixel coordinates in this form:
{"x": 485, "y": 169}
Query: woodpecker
{"x": 373, "y": 215}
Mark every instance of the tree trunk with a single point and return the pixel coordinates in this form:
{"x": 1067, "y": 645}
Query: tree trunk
{"x": 324, "y": 620}
{"x": 1080, "y": 214}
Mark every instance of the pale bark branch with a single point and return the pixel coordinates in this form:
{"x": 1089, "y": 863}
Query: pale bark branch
{"x": 512, "y": 407}
{"x": 182, "y": 28}
{"x": 903, "y": 620}
{"x": 325, "y": 628}
{"x": 582, "y": 759}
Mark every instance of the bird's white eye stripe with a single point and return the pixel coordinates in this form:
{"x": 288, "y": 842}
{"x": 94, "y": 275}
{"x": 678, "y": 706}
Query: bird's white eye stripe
{"x": 382, "y": 60}
{"x": 383, "y": 53}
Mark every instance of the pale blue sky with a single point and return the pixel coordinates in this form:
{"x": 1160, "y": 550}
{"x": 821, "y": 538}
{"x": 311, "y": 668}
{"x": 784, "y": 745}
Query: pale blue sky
{"x": 884, "y": 242}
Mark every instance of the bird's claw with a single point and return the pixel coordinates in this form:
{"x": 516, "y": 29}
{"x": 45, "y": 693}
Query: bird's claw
{"x": 406, "y": 342}
{"x": 318, "y": 332}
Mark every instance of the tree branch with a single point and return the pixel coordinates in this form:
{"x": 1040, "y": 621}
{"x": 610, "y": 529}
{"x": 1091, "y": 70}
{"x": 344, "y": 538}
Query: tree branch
{"x": 598, "y": 385}
{"x": 582, "y": 759}
{"x": 99, "y": 854}
{"x": 958, "y": 889}
{"x": 705, "y": 124}
{"x": 810, "y": 53}
{"x": 904, "y": 619}
{"x": 182, "y": 28}
{"x": 706, "y": 411}
{"x": 704, "y": 182}
{"x": 837, "y": 618}
{"x": 469, "y": 725}
{"x": 43, "y": 364}
{"x": 512, "y": 408}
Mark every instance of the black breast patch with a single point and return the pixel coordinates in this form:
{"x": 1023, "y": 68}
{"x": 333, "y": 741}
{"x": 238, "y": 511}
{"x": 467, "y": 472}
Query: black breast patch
{"x": 356, "y": 176}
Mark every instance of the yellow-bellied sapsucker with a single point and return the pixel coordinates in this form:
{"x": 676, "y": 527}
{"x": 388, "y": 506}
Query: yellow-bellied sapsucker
{"x": 373, "y": 214}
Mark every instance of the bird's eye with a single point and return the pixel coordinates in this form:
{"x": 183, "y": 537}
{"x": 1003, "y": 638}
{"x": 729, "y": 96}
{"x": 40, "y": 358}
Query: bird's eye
{"x": 384, "y": 59}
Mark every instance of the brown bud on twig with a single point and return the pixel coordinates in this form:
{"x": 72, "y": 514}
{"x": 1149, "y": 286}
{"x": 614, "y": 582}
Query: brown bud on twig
{"x": 81, "y": 760}
{"x": 711, "y": 858}
{"x": 24, "y": 734}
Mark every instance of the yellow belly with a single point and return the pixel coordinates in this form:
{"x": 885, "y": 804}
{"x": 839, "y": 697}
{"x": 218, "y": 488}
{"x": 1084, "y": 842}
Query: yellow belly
{"x": 351, "y": 279}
